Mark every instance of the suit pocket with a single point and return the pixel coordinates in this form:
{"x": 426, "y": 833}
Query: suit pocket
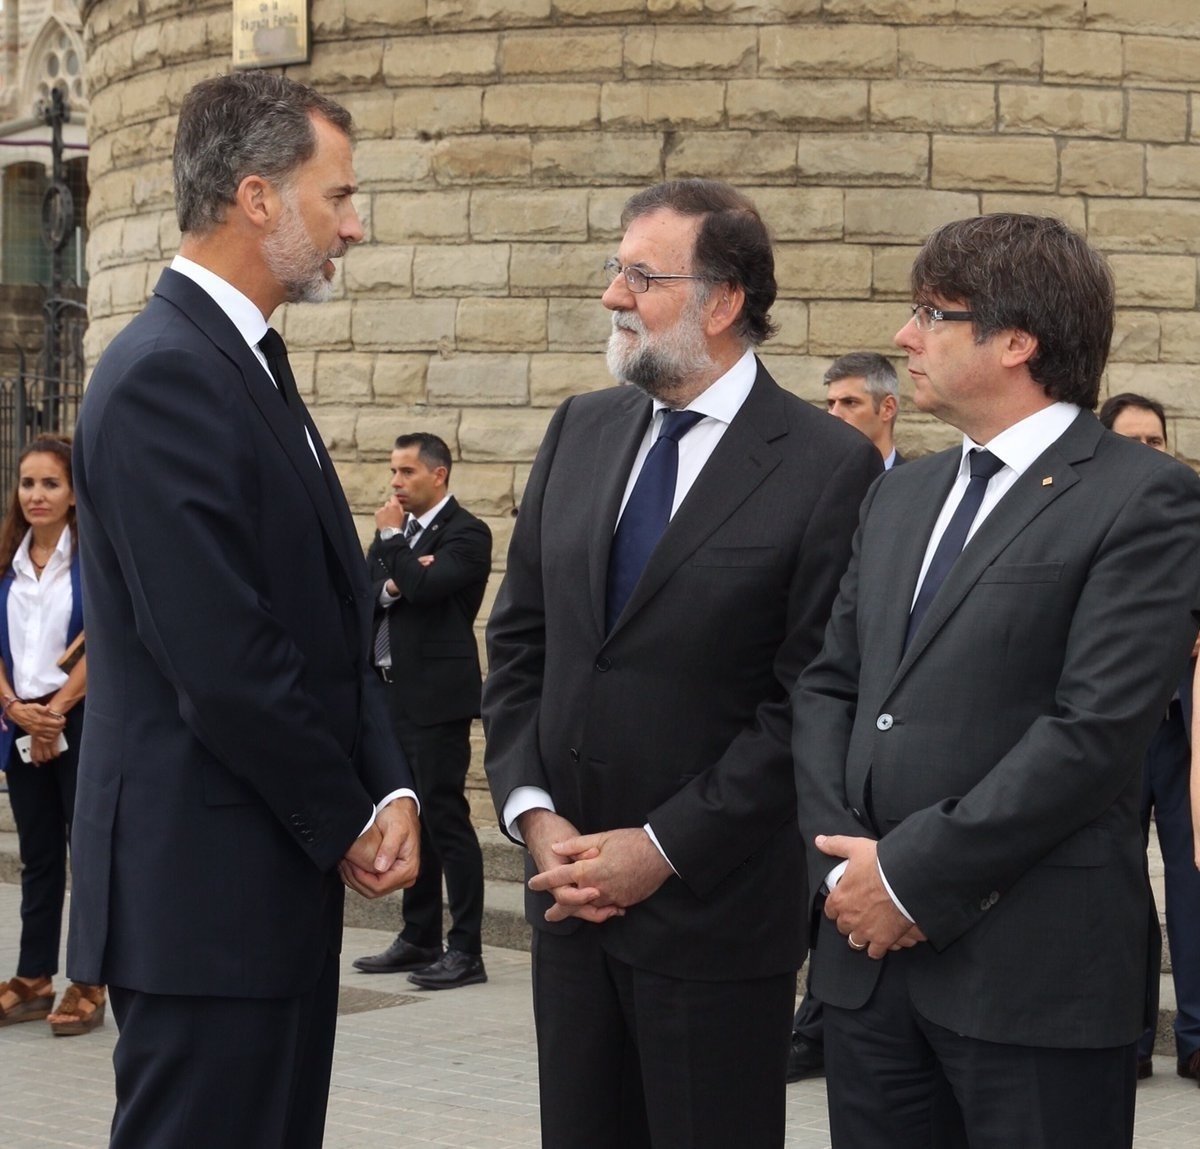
{"x": 734, "y": 556}
{"x": 1022, "y": 572}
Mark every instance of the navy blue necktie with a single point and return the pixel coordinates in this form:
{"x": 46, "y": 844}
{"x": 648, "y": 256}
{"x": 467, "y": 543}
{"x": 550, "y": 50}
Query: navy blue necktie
{"x": 275, "y": 353}
{"x": 983, "y": 466}
{"x": 646, "y": 513}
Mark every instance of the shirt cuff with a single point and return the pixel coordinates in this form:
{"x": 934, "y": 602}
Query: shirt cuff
{"x": 403, "y": 792}
{"x": 658, "y": 846}
{"x": 386, "y": 599}
{"x": 521, "y": 799}
{"x": 892, "y": 893}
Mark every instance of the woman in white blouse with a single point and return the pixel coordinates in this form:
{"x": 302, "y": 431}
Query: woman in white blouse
{"x": 41, "y": 691}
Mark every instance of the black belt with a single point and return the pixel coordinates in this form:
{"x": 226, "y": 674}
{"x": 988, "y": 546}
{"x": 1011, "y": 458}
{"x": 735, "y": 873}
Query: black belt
{"x": 386, "y": 674}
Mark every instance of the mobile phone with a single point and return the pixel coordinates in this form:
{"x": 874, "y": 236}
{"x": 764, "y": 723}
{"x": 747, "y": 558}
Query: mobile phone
{"x": 23, "y": 744}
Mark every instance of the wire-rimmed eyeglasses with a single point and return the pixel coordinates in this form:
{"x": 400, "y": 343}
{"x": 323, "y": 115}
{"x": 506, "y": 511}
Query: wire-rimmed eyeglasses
{"x": 636, "y": 279}
{"x": 927, "y": 317}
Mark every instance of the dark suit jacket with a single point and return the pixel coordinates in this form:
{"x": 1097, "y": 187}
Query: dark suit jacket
{"x": 999, "y": 758}
{"x": 679, "y": 716}
{"x": 235, "y": 737}
{"x": 431, "y": 626}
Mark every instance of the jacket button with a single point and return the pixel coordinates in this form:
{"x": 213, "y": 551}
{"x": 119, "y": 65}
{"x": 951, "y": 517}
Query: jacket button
{"x": 884, "y": 722}
{"x": 603, "y": 664}
{"x": 574, "y": 754}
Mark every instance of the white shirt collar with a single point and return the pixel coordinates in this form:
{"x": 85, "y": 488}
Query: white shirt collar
{"x": 242, "y": 311}
{"x": 890, "y": 461}
{"x": 1019, "y": 445}
{"x": 433, "y": 512}
{"x": 23, "y": 563}
{"x": 724, "y": 398}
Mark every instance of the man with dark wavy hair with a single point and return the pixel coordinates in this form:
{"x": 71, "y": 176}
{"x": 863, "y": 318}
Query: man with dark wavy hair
{"x": 968, "y": 743}
{"x": 679, "y": 544}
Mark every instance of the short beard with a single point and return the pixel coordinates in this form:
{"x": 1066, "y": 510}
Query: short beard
{"x": 665, "y": 365}
{"x": 294, "y": 261}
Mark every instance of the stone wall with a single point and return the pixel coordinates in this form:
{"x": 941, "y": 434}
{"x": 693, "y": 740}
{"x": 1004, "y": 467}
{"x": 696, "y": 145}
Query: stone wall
{"x": 499, "y": 139}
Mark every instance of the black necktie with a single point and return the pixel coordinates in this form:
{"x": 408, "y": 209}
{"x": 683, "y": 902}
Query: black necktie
{"x": 275, "y": 353}
{"x": 647, "y": 512}
{"x": 983, "y": 466}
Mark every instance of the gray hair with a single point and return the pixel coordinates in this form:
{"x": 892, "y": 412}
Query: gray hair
{"x": 243, "y": 124}
{"x": 876, "y": 371}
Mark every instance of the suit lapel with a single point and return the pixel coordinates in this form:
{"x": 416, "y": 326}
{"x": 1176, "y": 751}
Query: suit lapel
{"x": 320, "y": 482}
{"x": 431, "y": 536}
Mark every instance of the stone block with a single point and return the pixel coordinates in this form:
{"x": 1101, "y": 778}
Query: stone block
{"x": 1172, "y": 384}
{"x": 153, "y": 187}
{"x": 662, "y": 104}
{"x": 578, "y": 52}
{"x": 403, "y": 324}
{"x": 1036, "y": 12}
{"x": 604, "y": 210}
{"x": 587, "y": 9}
{"x": 482, "y": 159}
{"x": 835, "y": 328}
{"x": 458, "y": 58}
{"x": 392, "y": 163}
{"x": 713, "y": 52}
{"x": 871, "y": 158}
{"x": 1180, "y": 338}
{"x": 1011, "y": 163}
{"x": 478, "y": 380}
{"x": 372, "y": 112}
{"x": 1135, "y": 337}
{"x": 461, "y": 268}
{"x": 313, "y": 325}
{"x": 1161, "y": 60}
{"x": 800, "y": 213}
{"x": 918, "y": 435}
{"x": 921, "y": 106}
{"x": 1159, "y": 117}
{"x": 399, "y": 378}
{"x": 590, "y": 158}
{"x": 823, "y": 270}
{"x": 411, "y": 217}
{"x": 345, "y": 64}
{"x": 1147, "y": 225}
{"x": 1169, "y": 17}
{"x": 890, "y": 11}
{"x": 822, "y": 52}
{"x": 802, "y": 375}
{"x": 376, "y": 433}
{"x": 128, "y": 287}
{"x": 343, "y": 377}
{"x": 1154, "y": 280}
{"x": 1057, "y": 110}
{"x": 1072, "y": 56}
{"x": 759, "y": 104}
{"x": 541, "y": 107}
{"x": 501, "y": 324}
{"x": 566, "y": 268}
{"x": 140, "y": 237}
{"x": 489, "y": 13}
{"x": 891, "y": 271}
{"x": 501, "y": 435}
{"x": 577, "y": 324}
{"x": 762, "y": 156}
{"x": 554, "y": 377}
{"x": 485, "y": 489}
{"x": 791, "y": 316}
{"x": 436, "y": 112}
{"x": 1173, "y": 169}
{"x": 1097, "y": 168}
{"x": 1072, "y": 210}
{"x": 379, "y": 267}
{"x": 902, "y": 215}
{"x": 383, "y": 17}
{"x": 336, "y": 428}
{"x": 1004, "y": 53}
{"x": 515, "y": 213}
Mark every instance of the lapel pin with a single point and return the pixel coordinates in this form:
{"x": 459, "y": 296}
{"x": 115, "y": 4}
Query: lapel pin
{"x": 1048, "y": 481}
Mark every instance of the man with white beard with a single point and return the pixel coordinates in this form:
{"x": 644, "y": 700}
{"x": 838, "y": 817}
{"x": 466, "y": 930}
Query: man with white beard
{"x": 679, "y": 545}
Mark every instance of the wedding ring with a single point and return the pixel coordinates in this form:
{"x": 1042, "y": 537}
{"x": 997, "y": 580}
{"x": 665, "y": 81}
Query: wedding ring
{"x": 860, "y": 946}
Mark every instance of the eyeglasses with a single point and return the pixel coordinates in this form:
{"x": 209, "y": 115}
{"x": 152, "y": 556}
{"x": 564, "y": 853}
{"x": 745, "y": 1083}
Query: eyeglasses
{"x": 926, "y": 317}
{"x": 636, "y": 279}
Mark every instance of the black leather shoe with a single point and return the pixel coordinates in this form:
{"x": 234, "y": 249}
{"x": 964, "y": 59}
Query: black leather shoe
{"x": 453, "y": 969}
{"x": 1189, "y": 1066}
{"x": 805, "y": 1059}
{"x": 399, "y": 957}
{"x": 1145, "y": 1068}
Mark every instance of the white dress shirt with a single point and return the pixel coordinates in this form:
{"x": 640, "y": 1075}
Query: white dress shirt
{"x": 719, "y": 403}
{"x": 39, "y": 613}
{"x": 386, "y": 598}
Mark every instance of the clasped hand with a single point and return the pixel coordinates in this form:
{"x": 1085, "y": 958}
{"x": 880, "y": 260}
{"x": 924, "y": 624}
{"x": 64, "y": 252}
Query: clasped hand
{"x": 43, "y": 727}
{"x": 387, "y": 857}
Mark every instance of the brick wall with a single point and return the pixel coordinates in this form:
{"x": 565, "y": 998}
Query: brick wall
{"x": 498, "y": 141}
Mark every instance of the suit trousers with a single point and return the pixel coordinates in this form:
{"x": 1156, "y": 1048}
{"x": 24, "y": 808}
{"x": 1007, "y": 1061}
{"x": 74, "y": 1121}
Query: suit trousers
{"x": 43, "y": 804}
{"x": 227, "y": 1072}
{"x": 1165, "y": 792}
{"x": 886, "y": 1068}
{"x": 439, "y": 757}
{"x": 667, "y": 1063}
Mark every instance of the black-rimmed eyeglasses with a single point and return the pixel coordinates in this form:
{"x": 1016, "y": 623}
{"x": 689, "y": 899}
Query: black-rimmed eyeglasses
{"x": 636, "y": 279}
{"x": 926, "y": 317}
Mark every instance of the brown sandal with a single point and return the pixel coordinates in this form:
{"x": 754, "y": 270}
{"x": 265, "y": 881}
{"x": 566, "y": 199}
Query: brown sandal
{"x": 34, "y": 1000}
{"x": 80, "y": 1011}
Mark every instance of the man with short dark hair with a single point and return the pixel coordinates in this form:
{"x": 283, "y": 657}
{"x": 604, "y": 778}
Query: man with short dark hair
{"x": 679, "y": 542}
{"x": 968, "y": 743}
{"x": 429, "y": 565}
{"x": 236, "y": 758}
{"x": 862, "y": 390}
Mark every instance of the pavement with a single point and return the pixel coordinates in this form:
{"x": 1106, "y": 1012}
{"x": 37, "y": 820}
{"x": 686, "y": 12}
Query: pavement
{"x": 413, "y": 1068}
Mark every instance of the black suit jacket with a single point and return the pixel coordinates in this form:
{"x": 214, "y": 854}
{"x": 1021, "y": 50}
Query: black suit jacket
{"x": 998, "y": 759}
{"x": 679, "y": 716}
{"x": 235, "y": 738}
{"x": 431, "y": 626}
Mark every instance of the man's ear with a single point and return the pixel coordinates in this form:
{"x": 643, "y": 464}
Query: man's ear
{"x": 1019, "y": 347}
{"x": 888, "y": 407}
{"x": 258, "y": 201}
{"x": 724, "y": 307}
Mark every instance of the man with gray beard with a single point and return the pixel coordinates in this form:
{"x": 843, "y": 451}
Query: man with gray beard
{"x": 679, "y": 545}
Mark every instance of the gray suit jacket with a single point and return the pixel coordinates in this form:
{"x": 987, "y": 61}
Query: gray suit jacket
{"x": 680, "y": 715}
{"x": 998, "y": 758}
